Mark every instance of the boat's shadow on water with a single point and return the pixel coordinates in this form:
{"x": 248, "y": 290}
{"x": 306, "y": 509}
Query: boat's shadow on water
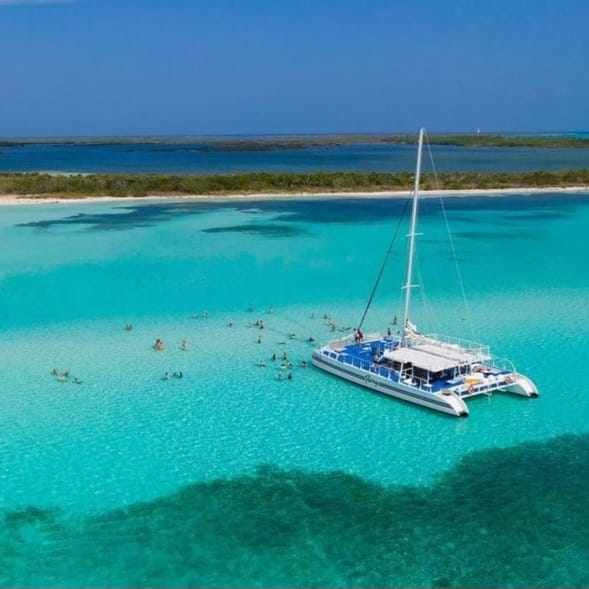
{"x": 517, "y": 516}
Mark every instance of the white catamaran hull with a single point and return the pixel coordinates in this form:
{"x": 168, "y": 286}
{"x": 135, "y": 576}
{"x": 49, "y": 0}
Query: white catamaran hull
{"x": 450, "y": 403}
{"x": 523, "y": 386}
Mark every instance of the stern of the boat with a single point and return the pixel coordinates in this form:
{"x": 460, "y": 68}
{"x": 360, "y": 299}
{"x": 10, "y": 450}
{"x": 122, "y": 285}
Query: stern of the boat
{"x": 522, "y": 385}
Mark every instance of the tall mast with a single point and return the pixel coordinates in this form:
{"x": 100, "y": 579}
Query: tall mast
{"x": 409, "y": 282}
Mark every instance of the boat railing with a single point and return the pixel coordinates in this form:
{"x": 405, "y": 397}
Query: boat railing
{"x": 503, "y": 364}
{"x": 383, "y": 371}
{"x": 368, "y": 338}
{"x": 453, "y": 343}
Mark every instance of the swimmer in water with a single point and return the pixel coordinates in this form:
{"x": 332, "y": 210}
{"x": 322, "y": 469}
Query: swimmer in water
{"x": 259, "y": 340}
{"x": 274, "y": 357}
{"x": 310, "y": 339}
{"x": 184, "y": 345}
{"x": 303, "y": 364}
{"x": 128, "y": 327}
{"x": 159, "y": 345}
{"x": 230, "y": 324}
{"x": 289, "y": 376}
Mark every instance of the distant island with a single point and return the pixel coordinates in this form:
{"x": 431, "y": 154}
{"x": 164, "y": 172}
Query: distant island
{"x": 140, "y": 185}
{"x": 290, "y": 142}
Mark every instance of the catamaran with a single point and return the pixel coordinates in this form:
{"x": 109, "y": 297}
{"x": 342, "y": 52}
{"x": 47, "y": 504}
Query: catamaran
{"x": 434, "y": 371}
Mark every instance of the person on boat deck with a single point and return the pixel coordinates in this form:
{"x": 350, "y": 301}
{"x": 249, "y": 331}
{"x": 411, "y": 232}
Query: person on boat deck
{"x": 358, "y": 335}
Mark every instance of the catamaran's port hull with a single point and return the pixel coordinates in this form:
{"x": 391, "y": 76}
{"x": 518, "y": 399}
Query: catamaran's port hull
{"x": 451, "y": 404}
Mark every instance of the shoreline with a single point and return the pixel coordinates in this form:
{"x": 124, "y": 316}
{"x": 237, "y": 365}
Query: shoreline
{"x": 15, "y": 199}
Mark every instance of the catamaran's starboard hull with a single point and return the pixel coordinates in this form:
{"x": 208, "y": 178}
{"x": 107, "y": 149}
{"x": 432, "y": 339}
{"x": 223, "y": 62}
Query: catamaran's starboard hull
{"x": 451, "y": 404}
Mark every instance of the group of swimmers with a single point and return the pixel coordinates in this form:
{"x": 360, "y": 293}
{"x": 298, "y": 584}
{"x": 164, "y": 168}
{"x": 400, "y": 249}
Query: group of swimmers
{"x": 167, "y": 375}
{"x": 286, "y": 366}
{"x": 65, "y": 376}
{"x": 160, "y": 346}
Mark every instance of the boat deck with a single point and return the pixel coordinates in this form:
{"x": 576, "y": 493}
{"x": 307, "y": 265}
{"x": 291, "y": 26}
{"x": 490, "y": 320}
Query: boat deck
{"x": 361, "y": 355}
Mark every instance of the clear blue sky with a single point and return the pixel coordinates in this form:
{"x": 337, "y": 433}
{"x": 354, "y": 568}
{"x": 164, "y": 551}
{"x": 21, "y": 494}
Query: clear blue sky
{"x": 272, "y": 66}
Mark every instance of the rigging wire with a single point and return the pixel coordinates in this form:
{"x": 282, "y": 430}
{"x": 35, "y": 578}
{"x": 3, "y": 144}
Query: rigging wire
{"x": 384, "y": 263}
{"x": 467, "y": 311}
{"x": 427, "y": 308}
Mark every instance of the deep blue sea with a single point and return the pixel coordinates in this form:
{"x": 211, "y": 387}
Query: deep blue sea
{"x": 232, "y": 477}
{"x": 198, "y": 159}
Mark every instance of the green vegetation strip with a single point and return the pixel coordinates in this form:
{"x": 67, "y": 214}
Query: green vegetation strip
{"x": 288, "y": 142}
{"x": 48, "y": 185}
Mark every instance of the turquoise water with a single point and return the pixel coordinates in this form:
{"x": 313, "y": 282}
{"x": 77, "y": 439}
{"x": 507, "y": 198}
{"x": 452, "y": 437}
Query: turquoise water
{"x": 199, "y": 159}
{"x": 91, "y": 473}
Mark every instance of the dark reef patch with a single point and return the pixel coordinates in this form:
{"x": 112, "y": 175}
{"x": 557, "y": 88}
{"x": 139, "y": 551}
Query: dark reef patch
{"x": 127, "y": 217}
{"x": 333, "y": 210}
{"x": 538, "y": 216}
{"x": 263, "y": 229}
{"x": 498, "y": 235}
{"x": 514, "y": 517}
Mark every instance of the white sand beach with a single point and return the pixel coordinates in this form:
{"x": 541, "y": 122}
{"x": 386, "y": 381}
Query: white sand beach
{"x": 14, "y": 199}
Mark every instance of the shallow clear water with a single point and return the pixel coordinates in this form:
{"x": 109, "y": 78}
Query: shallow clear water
{"x": 195, "y": 159}
{"x": 71, "y": 276}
